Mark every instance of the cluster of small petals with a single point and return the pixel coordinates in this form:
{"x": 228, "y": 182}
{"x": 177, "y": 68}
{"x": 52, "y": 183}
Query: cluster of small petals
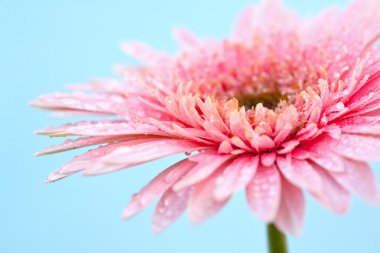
{"x": 321, "y": 127}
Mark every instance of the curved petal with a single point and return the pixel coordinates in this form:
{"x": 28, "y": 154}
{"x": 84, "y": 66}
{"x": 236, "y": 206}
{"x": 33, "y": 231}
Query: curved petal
{"x": 264, "y": 192}
{"x": 140, "y": 152}
{"x": 85, "y": 160}
{"x": 144, "y": 53}
{"x": 361, "y": 125}
{"x": 291, "y": 213}
{"x": 202, "y": 203}
{"x": 242, "y": 30}
{"x": 358, "y": 179}
{"x": 171, "y": 205}
{"x": 207, "y": 163}
{"x": 327, "y": 159}
{"x": 300, "y": 173}
{"x": 185, "y": 38}
{"x": 101, "y": 128}
{"x": 78, "y": 143}
{"x": 359, "y": 147}
{"x": 235, "y": 176}
{"x": 80, "y": 102}
{"x": 332, "y": 196}
{"x": 160, "y": 184}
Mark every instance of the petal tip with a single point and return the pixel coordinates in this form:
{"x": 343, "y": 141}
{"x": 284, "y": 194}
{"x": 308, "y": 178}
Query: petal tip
{"x": 156, "y": 230}
{"x": 128, "y": 213}
{"x": 37, "y": 154}
{"x": 53, "y": 177}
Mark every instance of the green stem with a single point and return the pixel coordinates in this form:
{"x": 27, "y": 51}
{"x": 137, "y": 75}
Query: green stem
{"x": 276, "y": 240}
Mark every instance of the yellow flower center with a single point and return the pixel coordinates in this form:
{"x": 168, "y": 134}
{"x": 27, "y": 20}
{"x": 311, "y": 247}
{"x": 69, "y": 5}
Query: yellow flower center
{"x": 269, "y": 100}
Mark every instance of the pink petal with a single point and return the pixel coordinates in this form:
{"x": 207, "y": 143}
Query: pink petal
{"x": 235, "y": 176}
{"x": 145, "y": 53}
{"x": 202, "y": 204}
{"x": 236, "y": 124}
{"x": 140, "y": 152}
{"x": 77, "y": 143}
{"x": 300, "y": 173}
{"x": 263, "y": 193}
{"x": 211, "y": 114}
{"x": 288, "y": 146}
{"x": 80, "y": 102}
{"x": 110, "y": 86}
{"x": 262, "y": 143}
{"x": 186, "y": 39}
{"x": 267, "y": 159}
{"x": 171, "y": 205}
{"x": 242, "y": 28}
{"x": 291, "y": 213}
{"x": 225, "y": 147}
{"x": 359, "y": 147}
{"x": 361, "y": 125}
{"x": 358, "y": 179}
{"x": 283, "y": 133}
{"x": 84, "y": 161}
{"x": 238, "y": 142}
{"x": 160, "y": 184}
{"x": 101, "y": 128}
{"x": 326, "y": 158}
{"x": 332, "y": 196}
{"x": 189, "y": 133}
{"x": 208, "y": 162}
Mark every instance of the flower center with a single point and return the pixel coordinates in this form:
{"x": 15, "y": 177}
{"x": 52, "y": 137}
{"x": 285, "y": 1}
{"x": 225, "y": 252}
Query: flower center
{"x": 269, "y": 100}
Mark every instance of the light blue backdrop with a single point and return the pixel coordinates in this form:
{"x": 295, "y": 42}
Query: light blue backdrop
{"x": 47, "y": 44}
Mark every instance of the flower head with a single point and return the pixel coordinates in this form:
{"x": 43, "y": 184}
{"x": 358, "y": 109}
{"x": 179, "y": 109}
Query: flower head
{"x": 283, "y": 106}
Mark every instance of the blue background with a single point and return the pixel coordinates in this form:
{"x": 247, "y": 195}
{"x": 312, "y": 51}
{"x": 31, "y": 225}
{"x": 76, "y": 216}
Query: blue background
{"x": 47, "y": 44}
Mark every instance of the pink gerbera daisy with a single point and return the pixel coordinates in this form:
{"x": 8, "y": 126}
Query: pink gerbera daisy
{"x": 283, "y": 106}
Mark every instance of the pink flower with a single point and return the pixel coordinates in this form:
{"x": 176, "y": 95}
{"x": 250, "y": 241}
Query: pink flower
{"x": 282, "y": 107}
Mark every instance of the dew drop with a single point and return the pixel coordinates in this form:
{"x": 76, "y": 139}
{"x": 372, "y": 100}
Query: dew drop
{"x": 167, "y": 202}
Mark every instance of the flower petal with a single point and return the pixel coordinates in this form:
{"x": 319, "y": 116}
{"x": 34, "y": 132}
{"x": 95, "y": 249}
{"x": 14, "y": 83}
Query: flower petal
{"x": 235, "y": 176}
{"x": 141, "y": 152}
{"x": 80, "y": 102}
{"x": 361, "y": 125}
{"x": 101, "y": 128}
{"x": 207, "y": 163}
{"x": 300, "y": 173}
{"x": 242, "y": 30}
{"x": 85, "y": 160}
{"x": 332, "y": 196}
{"x": 144, "y": 53}
{"x": 358, "y": 179}
{"x": 291, "y": 213}
{"x": 202, "y": 203}
{"x": 78, "y": 143}
{"x": 160, "y": 184}
{"x": 263, "y": 193}
{"x": 359, "y": 147}
{"x": 327, "y": 159}
{"x": 171, "y": 205}
{"x": 185, "y": 38}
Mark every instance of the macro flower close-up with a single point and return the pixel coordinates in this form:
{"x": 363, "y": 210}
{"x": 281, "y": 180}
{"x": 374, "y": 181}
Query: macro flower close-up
{"x": 275, "y": 110}
{"x": 286, "y": 106}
